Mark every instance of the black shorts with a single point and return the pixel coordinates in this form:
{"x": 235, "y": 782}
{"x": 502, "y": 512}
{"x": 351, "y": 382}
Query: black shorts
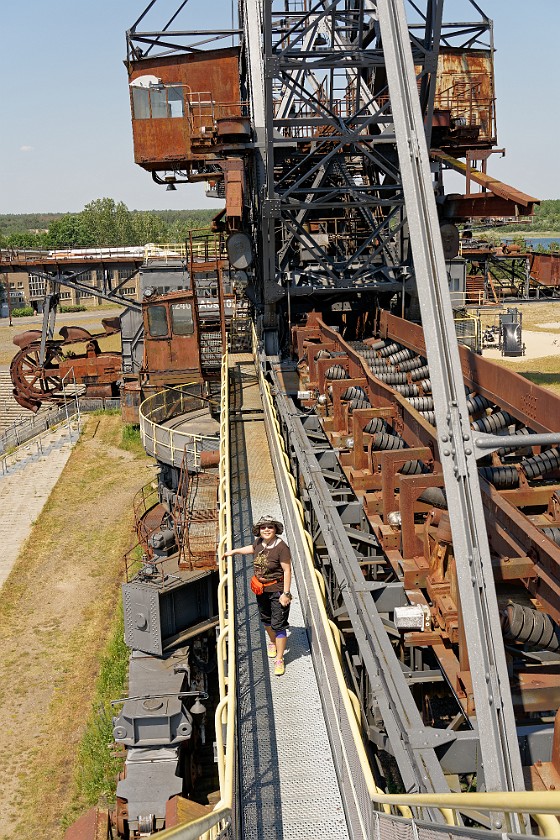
{"x": 271, "y": 611}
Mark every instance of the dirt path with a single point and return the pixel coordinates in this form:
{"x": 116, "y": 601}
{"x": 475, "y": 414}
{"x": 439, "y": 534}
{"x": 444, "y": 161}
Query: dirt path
{"x": 26, "y": 482}
{"x": 56, "y": 610}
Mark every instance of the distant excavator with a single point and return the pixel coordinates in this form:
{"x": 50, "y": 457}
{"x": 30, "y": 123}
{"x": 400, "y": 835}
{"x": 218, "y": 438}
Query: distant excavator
{"x": 167, "y": 338}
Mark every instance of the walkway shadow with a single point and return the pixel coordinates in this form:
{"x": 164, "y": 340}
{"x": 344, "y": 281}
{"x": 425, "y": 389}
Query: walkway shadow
{"x": 259, "y": 815}
{"x": 298, "y": 646}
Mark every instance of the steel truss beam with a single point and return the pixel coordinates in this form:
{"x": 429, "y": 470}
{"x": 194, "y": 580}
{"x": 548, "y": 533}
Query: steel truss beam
{"x": 72, "y": 281}
{"x": 331, "y": 157}
{"x": 496, "y": 723}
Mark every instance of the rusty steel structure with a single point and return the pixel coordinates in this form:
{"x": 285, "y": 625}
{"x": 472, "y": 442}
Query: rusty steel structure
{"x": 428, "y": 477}
{"x": 166, "y": 338}
{"x": 38, "y": 370}
{"x": 391, "y": 461}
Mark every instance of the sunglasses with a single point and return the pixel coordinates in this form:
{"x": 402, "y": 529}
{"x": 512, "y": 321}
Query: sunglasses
{"x": 268, "y": 527}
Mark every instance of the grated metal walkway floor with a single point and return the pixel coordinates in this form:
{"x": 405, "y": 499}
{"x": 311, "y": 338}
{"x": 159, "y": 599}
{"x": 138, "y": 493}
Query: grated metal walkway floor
{"x": 287, "y": 782}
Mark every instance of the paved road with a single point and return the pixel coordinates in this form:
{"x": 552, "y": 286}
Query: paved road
{"x": 26, "y": 480}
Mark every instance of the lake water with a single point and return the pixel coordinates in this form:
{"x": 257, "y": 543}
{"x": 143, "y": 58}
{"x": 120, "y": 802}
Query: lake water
{"x": 533, "y": 242}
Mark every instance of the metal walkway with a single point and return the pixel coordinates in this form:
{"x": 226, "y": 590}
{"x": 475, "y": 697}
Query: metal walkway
{"x": 287, "y": 783}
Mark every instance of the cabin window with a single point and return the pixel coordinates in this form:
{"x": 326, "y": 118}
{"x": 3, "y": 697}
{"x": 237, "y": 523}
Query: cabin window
{"x": 158, "y": 99}
{"x": 157, "y": 102}
{"x": 141, "y": 103}
{"x": 157, "y": 321}
{"x": 175, "y": 101}
{"x": 182, "y": 319}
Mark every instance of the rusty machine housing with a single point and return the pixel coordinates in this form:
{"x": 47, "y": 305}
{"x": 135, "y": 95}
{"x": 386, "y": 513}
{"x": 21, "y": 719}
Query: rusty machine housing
{"x": 191, "y": 305}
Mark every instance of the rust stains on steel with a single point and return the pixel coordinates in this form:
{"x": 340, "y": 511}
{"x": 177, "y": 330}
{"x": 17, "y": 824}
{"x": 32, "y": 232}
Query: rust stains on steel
{"x": 191, "y": 101}
{"x": 498, "y": 188}
{"x": 393, "y": 465}
{"x": 465, "y": 94}
{"x": 534, "y": 406}
{"x": 545, "y": 268}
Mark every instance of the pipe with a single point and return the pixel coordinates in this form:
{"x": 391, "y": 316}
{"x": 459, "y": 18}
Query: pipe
{"x": 354, "y": 393}
{"x": 541, "y": 464}
{"x": 552, "y": 534}
{"x": 420, "y": 373}
{"x": 501, "y": 477}
{"x": 393, "y": 378}
{"x": 477, "y": 403}
{"x": 377, "y": 424}
{"x": 430, "y": 416}
{"x": 422, "y": 403}
{"x": 354, "y": 404}
{"x": 401, "y": 356}
{"x": 336, "y": 372}
{"x": 412, "y": 364}
{"x": 493, "y": 422}
{"x": 408, "y": 390}
{"x": 413, "y": 468}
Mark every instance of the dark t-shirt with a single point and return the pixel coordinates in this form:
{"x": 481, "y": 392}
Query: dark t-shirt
{"x": 268, "y": 563}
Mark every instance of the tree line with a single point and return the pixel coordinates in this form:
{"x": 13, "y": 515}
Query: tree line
{"x": 546, "y": 218}
{"x": 107, "y": 223}
{"x": 102, "y": 223}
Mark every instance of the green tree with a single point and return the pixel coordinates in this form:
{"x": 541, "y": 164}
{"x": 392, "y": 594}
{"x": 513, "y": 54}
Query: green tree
{"x": 124, "y": 225}
{"x": 25, "y": 239}
{"x": 106, "y": 223}
{"x": 68, "y": 232}
{"x": 149, "y": 227}
{"x": 102, "y": 223}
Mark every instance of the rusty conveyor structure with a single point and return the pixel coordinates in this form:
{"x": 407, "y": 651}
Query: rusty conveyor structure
{"x": 379, "y": 415}
{"x": 421, "y": 486}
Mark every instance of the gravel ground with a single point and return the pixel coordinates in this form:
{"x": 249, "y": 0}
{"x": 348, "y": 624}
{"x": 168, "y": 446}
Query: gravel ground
{"x": 56, "y": 608}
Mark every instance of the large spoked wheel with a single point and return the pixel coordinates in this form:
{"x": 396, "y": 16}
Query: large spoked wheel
{"x": 33, "y": 381}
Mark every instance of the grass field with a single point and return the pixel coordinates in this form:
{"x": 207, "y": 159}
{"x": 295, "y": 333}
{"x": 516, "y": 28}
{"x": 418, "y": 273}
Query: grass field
{"x": 59, "y": 626}
{"x": 544, "y": 371}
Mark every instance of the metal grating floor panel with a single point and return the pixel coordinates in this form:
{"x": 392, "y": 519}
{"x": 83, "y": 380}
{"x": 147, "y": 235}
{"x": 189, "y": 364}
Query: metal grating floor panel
{"x": 287, "y": 782}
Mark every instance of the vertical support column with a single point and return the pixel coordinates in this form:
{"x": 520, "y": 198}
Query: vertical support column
{"x": 494, "y": 709}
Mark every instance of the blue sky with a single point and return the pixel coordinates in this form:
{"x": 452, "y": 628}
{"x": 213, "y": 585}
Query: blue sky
{"x": 66, "y": 137}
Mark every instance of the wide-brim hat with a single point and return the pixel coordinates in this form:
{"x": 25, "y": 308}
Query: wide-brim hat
{"x": 267, "y": 520}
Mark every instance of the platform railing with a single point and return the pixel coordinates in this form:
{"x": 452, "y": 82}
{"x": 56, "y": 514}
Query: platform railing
{"x": 166, "y": 252}
{"x": 166, "y": 443}
{"x": 218, "y": 824}
{"x": 393, "y": 815}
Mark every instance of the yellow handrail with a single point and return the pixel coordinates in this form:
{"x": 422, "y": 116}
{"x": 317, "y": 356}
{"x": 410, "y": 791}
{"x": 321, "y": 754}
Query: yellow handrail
{"x": 164, "y": 252}
{"x": 543, "y": 806}
{"x": 158, "y": 438}
{"x": 306, "y": 539}
{"x": 212, "y": 825}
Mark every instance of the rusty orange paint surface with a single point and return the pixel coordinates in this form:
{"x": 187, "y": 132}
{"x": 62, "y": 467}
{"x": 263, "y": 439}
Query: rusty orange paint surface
{"x": 171, "y": 352}
{"x": 465, "y": 88}
{"x": 211, "y": 91}
{"x": 545, "y": 268}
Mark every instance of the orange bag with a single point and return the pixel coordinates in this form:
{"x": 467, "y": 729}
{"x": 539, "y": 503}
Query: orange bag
{"x": 258, "y": 587}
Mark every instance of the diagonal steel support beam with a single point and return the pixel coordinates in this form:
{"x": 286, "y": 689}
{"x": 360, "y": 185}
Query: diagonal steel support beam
{"x": 496, "y": 724}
